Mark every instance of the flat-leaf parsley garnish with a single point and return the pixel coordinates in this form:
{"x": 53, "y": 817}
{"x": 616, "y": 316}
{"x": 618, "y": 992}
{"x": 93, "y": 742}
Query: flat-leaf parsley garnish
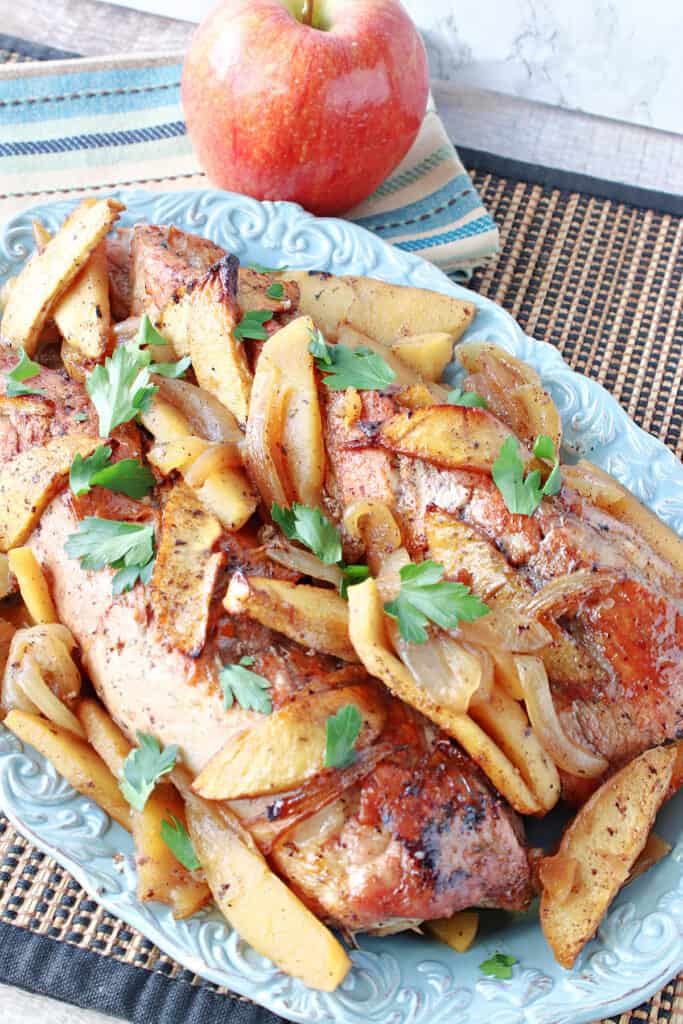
{"x": 345, "y": 367}
{"x": 120, "y": 388}
{"x": 249, "y": 689}
{"x": 341, "y": 733}
{"x": 425, "y": 597}
{"x": 261, "y": 269}
{"x": 470, "y": 399}
{"x": 143, "y": 768}
{"x": 311, "y": 528}
{"x": 129, "y": 476}
{"x": 25, "y": 369}
{"x": 251, "y": 325}
{"x": 275, "y": 290}
{"x": 174, "y": 834}
{"x": 522, "y": 495}
{"x": 498, "y": 966}
{"x": 128, "y": 547}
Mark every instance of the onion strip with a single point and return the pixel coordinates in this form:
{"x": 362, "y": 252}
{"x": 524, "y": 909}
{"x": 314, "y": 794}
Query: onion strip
{"x": 566, "y": 752}
{"x": 565, "y": 592}
{"x": 303, "y": 562}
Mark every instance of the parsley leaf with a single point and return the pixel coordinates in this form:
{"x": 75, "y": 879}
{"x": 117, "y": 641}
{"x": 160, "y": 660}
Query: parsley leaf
{"x": 423, "y": 597}
{"x": 81, "y": 417}
{"x": 24, "y": 370}
{"x": 522, "y": 495}
{"x": 143, "y": 768}
{"x": 346, "y": 367}
{"x": 251, "y": 325}
{"x": 173, "y": 370}
{"x": 174, "y": 834}
{"x": 470, "y": 399}
{"x": 128, "y": 547}
{"x": 128, "y": 476}
{"x": 352, "y": 574}
{"x": 311, "y": 528}
{"x": 275, "y": 290}
{"x": 341, "y": 732}
{"x": 319, "y": 349}
{"x": 259, "y": 267}
{"x": 498, "y": 966}
{"x": 248, "y": 688}
{"x": 121, "y": 389}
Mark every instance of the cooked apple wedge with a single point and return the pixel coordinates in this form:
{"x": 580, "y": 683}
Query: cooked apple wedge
{"x": 598, "y": 850}
{"x": 313, "y": 616}
{"x": 48, "y": 274}
{"x": 29, "y": 481}
{"x": 74, "y": 759}
{"x": 452, "y": 436}
{"x": 429, "y": 354}
{"x": 258, "y": 904}
{"x": 288, "y": 747}
{"x": 284, "y": 451}
{"x": 384, "y": 311}
{"x": 82, "y": 315}
{"x": 185, "y": 570}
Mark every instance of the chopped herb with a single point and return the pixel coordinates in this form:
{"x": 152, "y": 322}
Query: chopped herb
{"x": 423, "y": 597}
{"x": 174, "y": 834}
{"x": 24, "y": 370}
{"x": 352, "y": 574}
{"x": 261, "y": 269}
{"x": 319, "y": 349}
{"x": 251, "y": 325}
{"x": 275, "y": 290}
{"x": 128, "y": 476}
{"x": 522, "y": 495}
{"x": 81, "y": 417}
{"x": 121, "y": 388}
{"x": 173, "y": 370}
{"x": 311, "y": 528}
{"x": 128, "y": 547}
{"x": 143, "y": 768}
{"x": 341, "y": 733}
{"x": 346, "y": 367}
{"x": 470, "y": 399}
{"x": 249, "y": 689}
{"x": 498, "y": 966}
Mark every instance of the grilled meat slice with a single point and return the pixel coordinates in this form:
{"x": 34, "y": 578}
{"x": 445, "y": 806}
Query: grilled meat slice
{"x": 117, "y": 247}
{"x": 165, "y": 261}
{"x": 368, "y": 858}
{"x": 616, "y": 662}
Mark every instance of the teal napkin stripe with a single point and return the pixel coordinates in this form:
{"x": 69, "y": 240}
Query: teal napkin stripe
{"x": 72, "y": 130}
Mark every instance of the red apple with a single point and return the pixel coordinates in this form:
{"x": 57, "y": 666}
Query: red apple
{"x": 318, "y": 113}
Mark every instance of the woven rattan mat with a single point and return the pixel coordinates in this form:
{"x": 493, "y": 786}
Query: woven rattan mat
{"x": 604, "y": 282}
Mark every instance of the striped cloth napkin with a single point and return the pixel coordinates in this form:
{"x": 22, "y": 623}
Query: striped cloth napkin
{"x": 68, "y": 127}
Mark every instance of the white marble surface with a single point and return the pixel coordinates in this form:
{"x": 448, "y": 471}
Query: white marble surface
{"x": 17, "y": 1007}
{"x": 617, "y": 58}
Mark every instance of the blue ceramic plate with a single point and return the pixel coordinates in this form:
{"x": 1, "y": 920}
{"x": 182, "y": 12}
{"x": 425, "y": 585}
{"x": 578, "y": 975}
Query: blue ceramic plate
{"x": 404, "y": 979}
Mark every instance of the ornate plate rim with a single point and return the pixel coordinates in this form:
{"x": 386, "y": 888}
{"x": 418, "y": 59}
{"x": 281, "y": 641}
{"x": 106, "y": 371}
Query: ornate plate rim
{"x": 438, "y": 988}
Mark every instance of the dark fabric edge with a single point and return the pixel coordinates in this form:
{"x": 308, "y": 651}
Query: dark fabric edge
{"x": 45, "y": 966}
{"x": 570, "y": 181}
{"x": 34, "y": 51}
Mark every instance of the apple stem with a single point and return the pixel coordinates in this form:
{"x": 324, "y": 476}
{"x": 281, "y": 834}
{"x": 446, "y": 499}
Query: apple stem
{"x": 307, "y": 12}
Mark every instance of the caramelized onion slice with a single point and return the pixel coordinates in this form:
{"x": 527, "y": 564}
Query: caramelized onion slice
{"x": 443, "y": 668}
{"x": 506, "y": 630}
{"x": 565, "y": 592}
{"x": 565, "y": 751}
{"x": 281, "y": 551}
{"x": 373, "y": 523}
{"x": 208, "y": 418}
{"x": 269, "y": 819}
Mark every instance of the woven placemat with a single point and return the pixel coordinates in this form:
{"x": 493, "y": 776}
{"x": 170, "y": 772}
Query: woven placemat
{"x": 604, "y": 282}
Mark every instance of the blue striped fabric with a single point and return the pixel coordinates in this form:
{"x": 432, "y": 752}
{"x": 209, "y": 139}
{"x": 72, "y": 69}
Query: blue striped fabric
{"x": 69, "y": 127}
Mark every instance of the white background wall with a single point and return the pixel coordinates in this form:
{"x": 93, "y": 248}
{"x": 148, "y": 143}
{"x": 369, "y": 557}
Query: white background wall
{"x": 618, "y": 58}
